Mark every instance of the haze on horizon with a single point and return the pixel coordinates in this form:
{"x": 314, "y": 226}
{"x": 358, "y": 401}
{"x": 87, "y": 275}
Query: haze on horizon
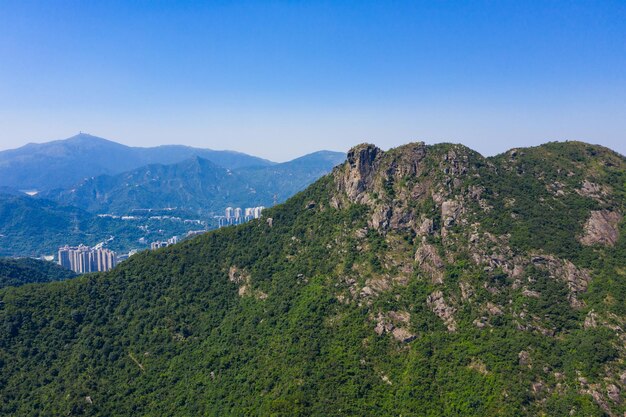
{"x": 280, "y": 80}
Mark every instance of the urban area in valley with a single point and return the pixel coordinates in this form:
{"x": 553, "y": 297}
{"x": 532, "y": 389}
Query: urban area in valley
{"x": 83, "y": 259}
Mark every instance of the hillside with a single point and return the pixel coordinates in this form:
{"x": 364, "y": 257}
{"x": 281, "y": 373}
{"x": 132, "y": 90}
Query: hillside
{"x": 288, "y": 178}
{"x": 33, "y": 227}
{"x": 16, "y": 272}
{"x": 421, "y": 281}
{"x": 197, "y": 185}
{"x": 63, "y": 163}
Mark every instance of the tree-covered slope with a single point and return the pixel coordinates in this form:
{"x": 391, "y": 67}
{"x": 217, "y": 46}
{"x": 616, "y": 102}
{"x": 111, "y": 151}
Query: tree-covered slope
{"x": 16, "y": 272}
{"x": 283, "y": 180}
{"x": 408, "y": 282}
{"x": 197, "y": 185}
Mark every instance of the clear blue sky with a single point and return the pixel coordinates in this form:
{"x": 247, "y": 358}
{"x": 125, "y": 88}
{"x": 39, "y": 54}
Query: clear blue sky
{"x": 279, "y": 79}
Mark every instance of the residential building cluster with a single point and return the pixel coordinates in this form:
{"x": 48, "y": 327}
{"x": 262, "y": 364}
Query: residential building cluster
{"x": 235, "y": 215}
{"x": 192, "y": 233}
{"x": 82, "y": 259}
{"x": 164, "y": 243}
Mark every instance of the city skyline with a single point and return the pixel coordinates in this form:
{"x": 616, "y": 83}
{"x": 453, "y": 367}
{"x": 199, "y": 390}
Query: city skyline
{"x": 280, "y": 80}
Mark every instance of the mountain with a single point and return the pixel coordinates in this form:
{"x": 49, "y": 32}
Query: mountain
{"x": 4, "y": 190}
{"x": 193, "y": 184}
{"x": 16, "y": 272}
{"x": 197, "y": 185}
{"x": 62, "y": 163}
{"x": 286, "y": 179}
{"x": 422, "y": 281}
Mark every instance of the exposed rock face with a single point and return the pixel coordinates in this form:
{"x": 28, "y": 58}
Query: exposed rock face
{"x": 601, "y": 228}
{"x": 466, "y": 290}
{"x": 381, "y": 218}
{"x": 436, "y": 200}
{"x": 592, "y": 190}
{"x": 426, "y": 228}
{"x": 445, "y": 312}
{"x": 395, "y": 322}
{"x": 524, "y": 359}
{"x": 362, "y": 161}
{"x": 577, "y": 279}
{"x": 402, "y": 335}
{"x": 450, "y": 211}
{"x": 493, "y": 309}
{"x": 591, "y": 320}
{"x": 392, "y": 182}
{"x": 237, "y": 276}
{"x": 243, "y": 279}
{"x": 430, "y": 262}
{"x": 613, "y": 392}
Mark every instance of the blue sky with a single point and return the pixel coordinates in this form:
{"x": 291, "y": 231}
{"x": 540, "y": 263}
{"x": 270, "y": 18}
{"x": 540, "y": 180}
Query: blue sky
{"x": 280, "y": 79}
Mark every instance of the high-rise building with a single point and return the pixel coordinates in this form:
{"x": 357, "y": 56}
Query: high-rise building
{"x": 82, "y": 259}
{"x": 238, "y": 215}
{"x": 257, "y": 212}
{"x": 164, "y": 243}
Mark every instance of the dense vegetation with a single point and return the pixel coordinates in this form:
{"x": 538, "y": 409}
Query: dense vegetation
{"x": 282, "y": 316}
{"x": 16, "y": 272}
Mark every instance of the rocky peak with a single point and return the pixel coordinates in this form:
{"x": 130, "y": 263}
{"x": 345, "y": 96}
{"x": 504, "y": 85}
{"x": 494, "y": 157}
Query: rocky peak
{"x": 359, "y": 170}
{"x": 394, "y": 183}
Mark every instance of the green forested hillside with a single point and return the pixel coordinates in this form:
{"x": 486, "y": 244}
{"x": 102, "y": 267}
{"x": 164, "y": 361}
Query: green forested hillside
{"x": 16, "y": 272}
{"x": 197, "y": 185}
{"x": 421, "y": 281}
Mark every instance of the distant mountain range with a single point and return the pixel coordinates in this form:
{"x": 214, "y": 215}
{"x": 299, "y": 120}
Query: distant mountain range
{"x": 62, "y": 163}
{"x": 86, "y": 175}
{"x": 197, "y": 185}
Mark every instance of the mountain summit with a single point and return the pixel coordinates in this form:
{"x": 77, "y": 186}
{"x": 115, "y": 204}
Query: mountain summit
{"x": 63, "y": 163}
{"x": 422, "y": 281}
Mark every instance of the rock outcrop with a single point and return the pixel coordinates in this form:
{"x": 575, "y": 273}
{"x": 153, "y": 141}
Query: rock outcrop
{"x": 601, "y": 228}
{"x": 429, "y": 261}
{"x": 445, "y": 312}
{"x": 362, "y": 162}
{"x": 395, "y": 323}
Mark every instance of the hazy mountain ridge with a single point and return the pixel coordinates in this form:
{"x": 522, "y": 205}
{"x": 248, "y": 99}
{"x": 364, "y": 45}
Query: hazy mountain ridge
{"x": 62, "y": 163}
{"x": 424, "y": 280}
{"x": 197, "y": 185}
